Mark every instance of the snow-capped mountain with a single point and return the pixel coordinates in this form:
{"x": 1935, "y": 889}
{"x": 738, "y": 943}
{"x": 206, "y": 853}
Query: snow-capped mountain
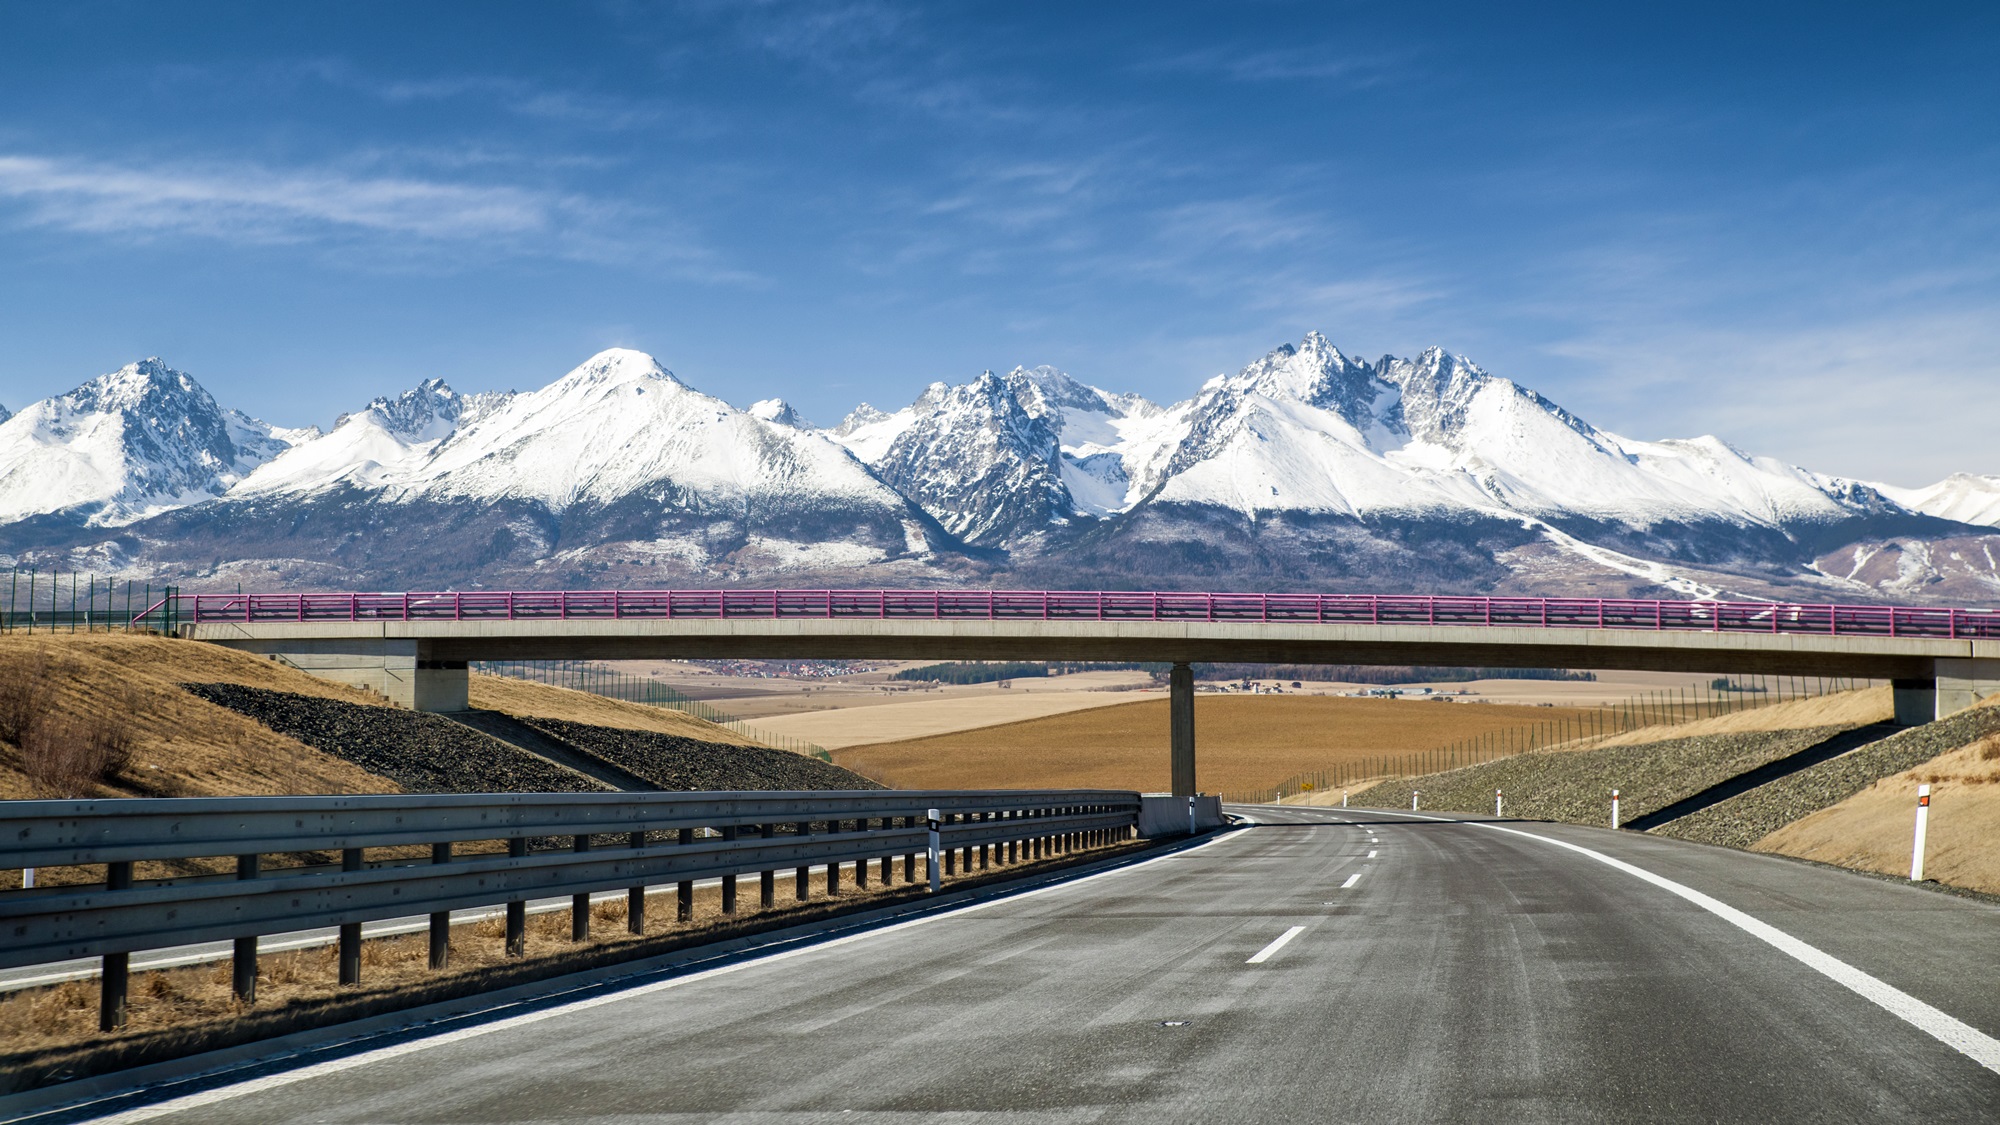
{"x": 138, "y": 441}
{"x": 373, "y": 446}
{"x": 1307, "y": 467}
{"x": 1961, "y": 497}
{"x": 1007, "y": 456}
{"x": 618, "y": 464}
{"x": 1307, "y": 429}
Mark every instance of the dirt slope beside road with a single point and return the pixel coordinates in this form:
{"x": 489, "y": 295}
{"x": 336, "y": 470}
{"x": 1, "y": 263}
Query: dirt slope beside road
{"x": 1871, "y": 830}
{"x": 176, "y": 744}
{"x": 422, "y": 753}
{"x": 1743, "y": 820}
{"x": 676, "y": 763}
{"x": 1575, "y": 785}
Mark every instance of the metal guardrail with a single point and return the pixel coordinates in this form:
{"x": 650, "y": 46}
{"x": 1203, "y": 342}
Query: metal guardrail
{"x": 1074, "y": 605}
{"x": 664, "y": 838}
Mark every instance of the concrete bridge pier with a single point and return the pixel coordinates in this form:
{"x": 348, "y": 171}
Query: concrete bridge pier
{"x": 1954, "y": 685}
{"x": 1962, "y": 683}
{"x": 1180, "y": 725}
{"x": 405, "y": 672}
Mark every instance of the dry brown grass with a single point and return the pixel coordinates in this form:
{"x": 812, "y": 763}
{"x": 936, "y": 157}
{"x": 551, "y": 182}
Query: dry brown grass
{"x": 1241, "y": 742}
{"x": 103, "y": 715}
{"x": 1846, "y": 708}
{"x": 175, "y": 1012}
{"x": 1871, "y": 831}
{"x": 178, "y": 746}
{"x": 524, "y": 697}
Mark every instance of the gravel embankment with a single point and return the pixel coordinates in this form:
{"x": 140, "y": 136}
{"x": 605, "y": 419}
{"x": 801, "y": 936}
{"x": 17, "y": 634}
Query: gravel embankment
{"x": 422, "y": 753}
{"x": 1744, "y": 819}
{"x": 677, "y": 763}
{"x": 1575, "y": 786}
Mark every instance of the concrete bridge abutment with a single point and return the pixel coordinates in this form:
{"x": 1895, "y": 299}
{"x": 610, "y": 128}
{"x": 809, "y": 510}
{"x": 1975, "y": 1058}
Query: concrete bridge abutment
{"x": 1955, "y": 685}
{"x": 403, "y": 671}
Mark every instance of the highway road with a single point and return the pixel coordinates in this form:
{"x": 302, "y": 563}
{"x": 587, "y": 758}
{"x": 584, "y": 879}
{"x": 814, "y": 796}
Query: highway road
{"x": 1325, "y": 965}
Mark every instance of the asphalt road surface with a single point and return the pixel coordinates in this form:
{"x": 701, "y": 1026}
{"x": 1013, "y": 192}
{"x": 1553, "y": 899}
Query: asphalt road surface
{"x": 1328, "y": 965}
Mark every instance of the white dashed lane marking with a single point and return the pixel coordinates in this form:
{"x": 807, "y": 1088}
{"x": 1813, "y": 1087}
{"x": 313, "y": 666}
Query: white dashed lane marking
{"x": 1265, "y": 953}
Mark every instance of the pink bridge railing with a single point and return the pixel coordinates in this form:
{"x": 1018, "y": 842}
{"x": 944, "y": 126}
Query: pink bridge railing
{"x": 1076, "y": 605}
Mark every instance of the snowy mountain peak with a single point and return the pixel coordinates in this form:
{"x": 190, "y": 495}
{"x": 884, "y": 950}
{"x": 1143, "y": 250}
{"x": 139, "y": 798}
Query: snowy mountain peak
{"x": 124, "y": 445}
{"x": 779, "y": 411}
{"x": 617, "y": 367}
{"x": 1962, "y": 497}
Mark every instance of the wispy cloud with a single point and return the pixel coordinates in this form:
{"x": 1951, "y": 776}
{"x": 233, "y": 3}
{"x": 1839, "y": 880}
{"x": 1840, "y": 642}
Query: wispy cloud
{"x": 254, "y": 204}
{"x": 1313, "y": 63}
{"x": 1902, "y": 397}
{"x": 400, "y": 217}
{"x": 522, "y": 98}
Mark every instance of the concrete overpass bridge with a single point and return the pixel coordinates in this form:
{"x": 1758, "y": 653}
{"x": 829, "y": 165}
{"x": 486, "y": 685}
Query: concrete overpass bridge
{"x": 415, "y": 647}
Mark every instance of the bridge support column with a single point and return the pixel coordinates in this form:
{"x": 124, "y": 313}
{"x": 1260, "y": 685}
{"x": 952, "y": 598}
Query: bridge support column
{"x": 1180, "y": 723}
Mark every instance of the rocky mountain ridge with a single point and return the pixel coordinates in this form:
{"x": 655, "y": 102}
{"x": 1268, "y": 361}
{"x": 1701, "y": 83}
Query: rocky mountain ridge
{"x": 1308, "y": 468}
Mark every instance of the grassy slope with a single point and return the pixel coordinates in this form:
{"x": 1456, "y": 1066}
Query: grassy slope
{"x": 1871, "y": 830}
{"x": 186, "y": 747}
{"x": 182, "y": 746}
{"x": 1241, "y": 742}
{"x": 522, "y": 698}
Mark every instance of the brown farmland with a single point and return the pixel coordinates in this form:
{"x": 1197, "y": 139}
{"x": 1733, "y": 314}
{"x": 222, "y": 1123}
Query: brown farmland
{"x": 1241, "y": 742}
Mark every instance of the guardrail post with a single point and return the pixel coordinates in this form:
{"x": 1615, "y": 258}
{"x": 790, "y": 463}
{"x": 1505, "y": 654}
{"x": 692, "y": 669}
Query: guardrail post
{"x": 802, "y": 878}
{"x": 909, "y": 858}
{"x": 350, "y": 932}
{"x": 729, "y": 880}
{"x": 635, "y": 897}
{"x": 440, "y": 920}
{"x": 243, "y": 957}
{"x": 832, "y": 865}
{"x": 861, "y": 865}
{"x": 114, "y": 981}
{"x": 951, "y": 854}
{"x": 517, "y": 910}
{"x": 579, "y": 904}
{"x": 767, "y": 880}
{"x": 684, "y": 894}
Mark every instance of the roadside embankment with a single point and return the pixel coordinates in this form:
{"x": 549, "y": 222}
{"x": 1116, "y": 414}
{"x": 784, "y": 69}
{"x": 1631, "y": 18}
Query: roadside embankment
{"x": 1575, "y": 785}
{"x": 674, "y": 762}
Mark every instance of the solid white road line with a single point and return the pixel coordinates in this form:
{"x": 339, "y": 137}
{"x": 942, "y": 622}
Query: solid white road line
{"x": 1351, "y": 880}
{"x": 1265, "y": 953}
{"x": 334, "y": 1066}
{"x": 1953, "y": 1032}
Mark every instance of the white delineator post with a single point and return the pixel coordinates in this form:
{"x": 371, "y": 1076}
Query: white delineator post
{"x": 1496, "y": 802}
{"x": 1917, "y": 844}
{"x": 1343, "y": 798}
{"x": 27, "y": 878}
{"x": 1614, "y": 808}
{"x": 1413, "y": 799}
{"x": 931, "y": 861}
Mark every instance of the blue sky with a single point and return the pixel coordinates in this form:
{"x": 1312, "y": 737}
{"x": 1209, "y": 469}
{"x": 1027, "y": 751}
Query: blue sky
{"x": 1777, "y": 223}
